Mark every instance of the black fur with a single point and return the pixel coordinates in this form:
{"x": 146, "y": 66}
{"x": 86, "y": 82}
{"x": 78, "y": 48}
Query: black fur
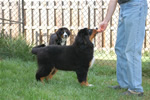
{"x": 75, "y": 57}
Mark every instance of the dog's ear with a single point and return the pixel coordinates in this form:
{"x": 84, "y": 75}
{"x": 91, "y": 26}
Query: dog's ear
{"x": 58, "y": 33}
{"x": 83, "y": 32}
{"x": 82, "y": 39}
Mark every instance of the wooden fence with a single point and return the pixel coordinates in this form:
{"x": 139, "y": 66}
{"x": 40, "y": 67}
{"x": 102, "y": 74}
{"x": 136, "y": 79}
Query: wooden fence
{"x": 10, "y": 18}
{"x": 48, "y": 16}
{"x": 43, "y": 17}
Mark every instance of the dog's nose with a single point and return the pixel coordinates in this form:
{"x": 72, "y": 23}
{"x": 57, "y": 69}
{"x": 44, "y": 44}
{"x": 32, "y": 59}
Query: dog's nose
{"x": 65, "y": 36}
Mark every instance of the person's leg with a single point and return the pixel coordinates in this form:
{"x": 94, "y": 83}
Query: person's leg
{"x": 135, "y": 32}
{"x": 120, "y": 51}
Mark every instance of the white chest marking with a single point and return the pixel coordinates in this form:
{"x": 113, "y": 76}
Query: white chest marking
{"x": 63, "y": 41}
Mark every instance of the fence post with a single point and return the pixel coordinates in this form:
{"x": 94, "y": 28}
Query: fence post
{"x": 19, "y": 19}
{"x": 71, "y": 11}
{"x": 23, "y": 17}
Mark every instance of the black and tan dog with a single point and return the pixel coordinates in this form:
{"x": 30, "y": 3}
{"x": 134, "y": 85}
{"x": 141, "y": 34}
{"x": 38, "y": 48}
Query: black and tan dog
{"x": 60, "y": 37}
{"x": 76, "y": 57}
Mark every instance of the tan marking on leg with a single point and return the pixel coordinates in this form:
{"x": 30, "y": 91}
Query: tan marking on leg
{"x": 48, "y": 77}
{"x": 42, "y": 78}
{"x": 51, "y": 74}
{"x": 84, "y": 83}
{"x": 55, "y": 71}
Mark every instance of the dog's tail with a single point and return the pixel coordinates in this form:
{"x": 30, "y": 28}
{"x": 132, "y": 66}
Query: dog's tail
{"x": 36, "y": 48}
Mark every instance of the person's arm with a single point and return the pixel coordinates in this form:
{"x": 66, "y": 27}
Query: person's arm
{"x": 110, "y": 11}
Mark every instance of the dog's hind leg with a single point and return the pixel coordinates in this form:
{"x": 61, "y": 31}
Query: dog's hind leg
{"x": 42, "y": 73}
{"x": 52, "y": 73}
{"x": 41, "y": 79}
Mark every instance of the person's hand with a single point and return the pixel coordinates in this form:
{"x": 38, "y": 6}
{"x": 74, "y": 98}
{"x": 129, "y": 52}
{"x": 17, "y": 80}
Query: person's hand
{"x": 102, "y": 26}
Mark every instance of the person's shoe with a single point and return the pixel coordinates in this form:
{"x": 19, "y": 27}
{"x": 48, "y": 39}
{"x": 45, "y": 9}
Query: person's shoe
{"x": 130, "y": 92}
{"x": 116, "y": 87}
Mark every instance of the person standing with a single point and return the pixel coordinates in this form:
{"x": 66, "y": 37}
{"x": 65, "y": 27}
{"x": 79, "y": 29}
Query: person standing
{"x": 128, "y": 47}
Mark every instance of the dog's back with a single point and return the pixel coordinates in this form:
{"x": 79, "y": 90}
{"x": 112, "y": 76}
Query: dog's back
{"x": 53, "y": 39}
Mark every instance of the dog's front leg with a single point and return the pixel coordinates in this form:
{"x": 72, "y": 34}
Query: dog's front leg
{"x": 82, "y": 78}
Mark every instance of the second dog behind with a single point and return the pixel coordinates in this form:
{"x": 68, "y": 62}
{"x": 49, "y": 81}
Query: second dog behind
{"x": 60, "y": 37}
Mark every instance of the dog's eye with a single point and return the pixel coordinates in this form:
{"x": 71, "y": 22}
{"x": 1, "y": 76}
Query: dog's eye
{"x": 90, "y": 31}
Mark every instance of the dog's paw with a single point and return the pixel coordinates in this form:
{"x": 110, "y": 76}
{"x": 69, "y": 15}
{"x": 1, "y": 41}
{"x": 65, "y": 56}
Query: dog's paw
{"x": 90, "y": 85}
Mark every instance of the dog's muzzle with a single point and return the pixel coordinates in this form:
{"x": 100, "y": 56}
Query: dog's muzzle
{"x": 65, "y": 36}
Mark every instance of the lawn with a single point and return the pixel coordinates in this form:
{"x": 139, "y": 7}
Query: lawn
{"x": 17, "y": 82}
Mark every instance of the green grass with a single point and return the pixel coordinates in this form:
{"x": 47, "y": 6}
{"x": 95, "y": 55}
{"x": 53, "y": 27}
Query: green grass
{"x": 101, "y": 54}
{"x": 17, "y": 82}
{"x": 109, "y": 59}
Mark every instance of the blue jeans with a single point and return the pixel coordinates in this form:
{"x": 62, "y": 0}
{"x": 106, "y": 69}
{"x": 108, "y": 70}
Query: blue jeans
{"x": 130, "y": 36}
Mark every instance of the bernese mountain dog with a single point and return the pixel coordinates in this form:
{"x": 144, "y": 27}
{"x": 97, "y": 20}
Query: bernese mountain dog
{"x": 76, "y": 57}
{"x": 60, "y": 37}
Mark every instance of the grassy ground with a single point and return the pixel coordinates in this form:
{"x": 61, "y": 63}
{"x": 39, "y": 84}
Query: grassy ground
{"x": 17, "y": 82}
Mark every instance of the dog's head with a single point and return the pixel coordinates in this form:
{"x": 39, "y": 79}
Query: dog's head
{"x": 63, "y": 33}
{"x": 82, "y": 39}
{"x": 85, "y": 37}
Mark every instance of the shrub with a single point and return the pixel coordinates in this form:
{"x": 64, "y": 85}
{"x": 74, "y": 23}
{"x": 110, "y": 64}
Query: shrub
{"x": 15, "y": 47}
